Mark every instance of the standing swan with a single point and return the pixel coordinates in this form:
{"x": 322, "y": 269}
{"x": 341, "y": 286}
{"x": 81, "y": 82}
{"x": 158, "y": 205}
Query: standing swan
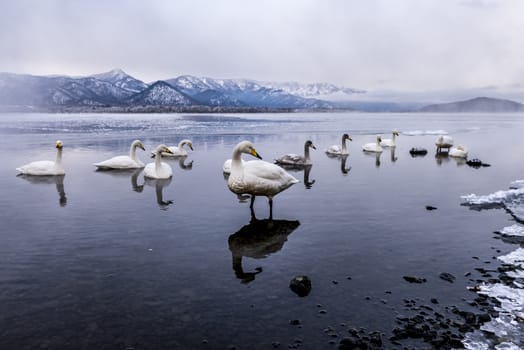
{"x": 373, "y": 146}
{"x": 390, "y": 142}
{"x": 178, "y": 151}
{"x": 124, "y": 162}
{"x": 443, "y": 141}
{"x": 45, "y": 167}
{"x": 295, "y": 159}
{"x": 257, "y": 177}
{"x": 158, "y": 169}
{"x": 337, "y": 150}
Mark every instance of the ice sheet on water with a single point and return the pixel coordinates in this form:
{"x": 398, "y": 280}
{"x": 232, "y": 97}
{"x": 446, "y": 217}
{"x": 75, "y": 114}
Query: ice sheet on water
{"x": 513, "y": 230}
{"x": 512, "y": 200}
{"x": 424, "y": 132}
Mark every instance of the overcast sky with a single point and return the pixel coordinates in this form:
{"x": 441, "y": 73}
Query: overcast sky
{"x": 410, "y": 45}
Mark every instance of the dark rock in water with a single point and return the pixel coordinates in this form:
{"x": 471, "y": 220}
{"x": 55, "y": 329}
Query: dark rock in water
{"x": 416, "y": 151}
{"x": 294, "y": 322}
{"x": 447, "y": 277}
{"x": 476, "y": 163}
{"x": 429, "y": 207}
{"x": 412, "y": 279}
{"x": 371, "y": 341}
{"x": 300, "y": 285}
{"x": 434, "y": 300}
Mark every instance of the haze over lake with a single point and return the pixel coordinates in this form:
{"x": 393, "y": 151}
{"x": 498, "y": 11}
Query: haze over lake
{"x": 109, "y": 260}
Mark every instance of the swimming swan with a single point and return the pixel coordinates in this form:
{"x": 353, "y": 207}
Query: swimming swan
{"x": 458, "y": 152}
{"x": 373, "y": 146}
{"x": 337, "y": 150}
{"x": 257, "y": 177}
{"x": 443, "y": 141}
{"x": 295, "y": 159}
{"x": 45, "y": 167}
{"x": 124, "y": 162}
{"x": 390, "y": 142}
{"x": 178, "y": 151}
{"x": 158, "y": 169}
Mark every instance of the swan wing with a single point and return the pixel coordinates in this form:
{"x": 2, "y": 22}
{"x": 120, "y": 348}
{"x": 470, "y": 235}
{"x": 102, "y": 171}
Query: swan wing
{"x": 290, "y": 159}
{"x": 334, "y": 149}
{"x": 119, "y": 162}
{"x": 43, "y": 167}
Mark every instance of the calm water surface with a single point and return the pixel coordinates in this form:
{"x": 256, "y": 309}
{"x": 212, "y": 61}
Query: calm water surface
{"x": 105, "y": 260}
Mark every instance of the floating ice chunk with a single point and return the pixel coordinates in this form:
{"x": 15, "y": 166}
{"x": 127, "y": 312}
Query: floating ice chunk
{"x": 513, "y": 230}
{"x": 516, "y": 184}
{"x": 514, "y": 258}
{"x": 499, "y": 197}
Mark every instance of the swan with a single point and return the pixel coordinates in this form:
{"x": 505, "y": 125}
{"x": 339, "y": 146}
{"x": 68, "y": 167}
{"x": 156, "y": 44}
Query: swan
{"x": 336, "y": 149}
{"x": 257, "y": 177}
{"x": 373, "y": 146}
{"x": 124, "y": 162}
{"x": 443, "y": 141}
{"x": 45, "y": 167}
{"x": 178, "y": 151}
{"x": 458, "y": 152}
{"x": 158, "y": 169}
{"x": 295, "y": 159}
{"x": 390, "y": 142}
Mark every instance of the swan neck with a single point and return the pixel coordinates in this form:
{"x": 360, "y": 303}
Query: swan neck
{"x": 132, "y": 152}
{"x": 58, "y": 156}
{"x": 158, "y": 161}
{"x": 306, "y": 153}
{"x": 181, "y": 144}
{"x": 344, "y": 148}
{"x": 236, "y": 161}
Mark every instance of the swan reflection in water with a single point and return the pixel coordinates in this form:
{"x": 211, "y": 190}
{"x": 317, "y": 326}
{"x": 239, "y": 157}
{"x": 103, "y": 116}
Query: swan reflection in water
{"x": 57, "y": 180}
{"x": 442, "y": 157}
{"x": 375, "y": 155}
{"x": 258, "y": 240}
{"x": 123, "y": 173}
{"x": 159, "y": 185}
{"x": 392, "y": 153}
{"x": 298, "y": 168}
{"x": 343, "y": 159}
{"x": 183, "y": 165}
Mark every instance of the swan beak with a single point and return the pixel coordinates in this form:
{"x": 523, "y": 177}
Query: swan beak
{"x": 167, "y": 150}
{"x": 190, "y": 146}
{"x": 255, "y": 154}
{"x": 141, "y": 146}
{"x": 59, "y": 144}
{"x": 313, "y": 146}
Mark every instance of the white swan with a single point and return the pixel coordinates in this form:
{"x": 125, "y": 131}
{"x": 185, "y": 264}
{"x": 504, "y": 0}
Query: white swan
{"x": 390, "y": 142}
{"x": 124, "y": 162}
{"x": 373, "y": 146}
{"x": 443, "y": 141}
{"x": 458, "y": 152}
{"x": 295, "y": 159}
{"x": 45, "y": 167}
{"x": 158, "y": 169}
{"x": 336, "y": 149}
{"x": 257, "y": 177}
{"x": 178, "y": 151}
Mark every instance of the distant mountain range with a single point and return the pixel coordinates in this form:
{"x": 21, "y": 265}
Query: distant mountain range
{"x": 117, "y": 91}
{"x": 478, "y": 105}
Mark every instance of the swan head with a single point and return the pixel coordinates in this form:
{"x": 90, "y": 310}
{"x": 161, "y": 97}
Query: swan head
{"x": 189, "y": 143}
{"x": 310, "y": 144}
{"x": 379, "y": 139}
{"x": 59, "y": 144}
{"x": 248, "y": 148}
{"x": 138, "y": 143}
{"x": 395, "y": 132}
{"x": 346, "y": 137}
{"x": 163, "y": 149}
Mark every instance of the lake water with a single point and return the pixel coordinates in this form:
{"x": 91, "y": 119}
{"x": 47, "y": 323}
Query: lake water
{"x": 105, "y": 260}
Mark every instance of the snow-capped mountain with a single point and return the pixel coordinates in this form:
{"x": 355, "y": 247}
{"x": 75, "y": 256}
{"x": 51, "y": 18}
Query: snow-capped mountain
{"x": 242, "y": 92}
{"x": 117, "y": 89}
{"x": 316, "y": 90}
{"x": 161, "y": 94}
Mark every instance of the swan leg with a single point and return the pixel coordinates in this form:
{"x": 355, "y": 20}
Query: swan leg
{"x": 270, "y": 208}
{"x": 253, "y": 217}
